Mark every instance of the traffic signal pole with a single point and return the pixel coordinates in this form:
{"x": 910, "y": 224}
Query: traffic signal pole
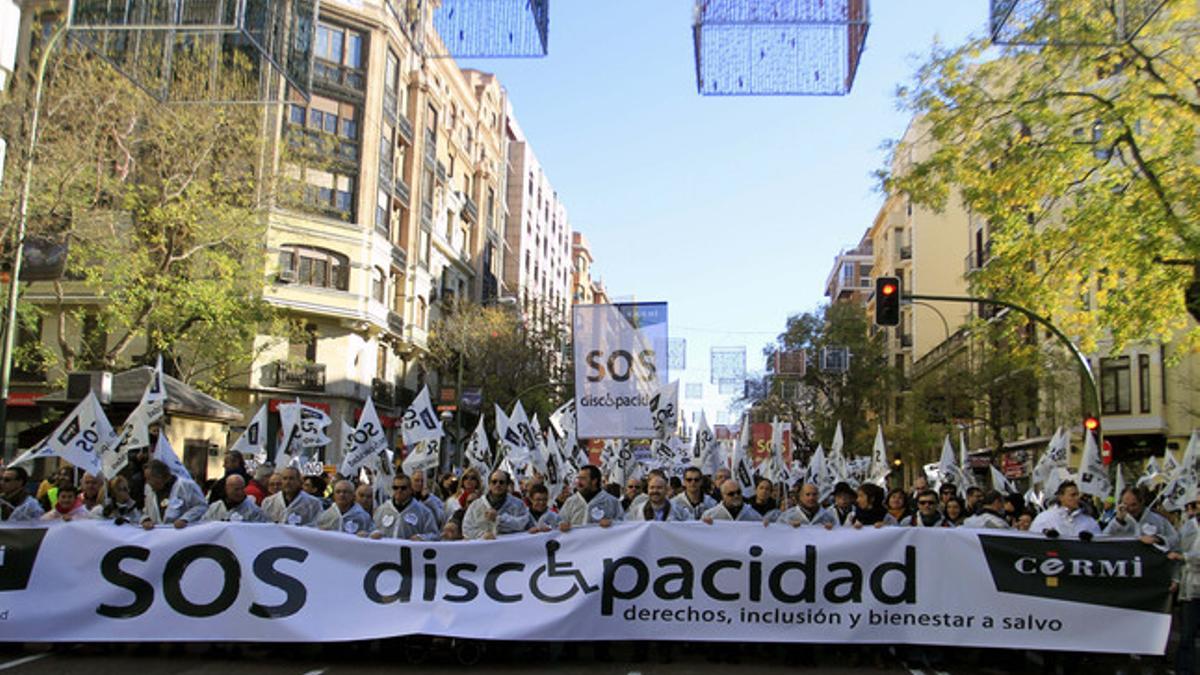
{"x": 1085, "y": 366}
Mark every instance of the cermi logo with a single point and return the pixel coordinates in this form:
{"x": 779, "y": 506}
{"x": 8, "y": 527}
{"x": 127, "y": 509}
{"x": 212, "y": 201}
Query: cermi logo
{"x": 1124, "y": 574}
{"x": 18, "y": 551}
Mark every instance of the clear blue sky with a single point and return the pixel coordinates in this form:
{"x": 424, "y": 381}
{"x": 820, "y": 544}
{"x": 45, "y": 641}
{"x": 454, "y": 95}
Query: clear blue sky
{"x": 729, "y": 209}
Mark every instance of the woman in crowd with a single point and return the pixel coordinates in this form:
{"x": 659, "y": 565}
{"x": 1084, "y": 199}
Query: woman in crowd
{"x": 763, "y": 502}
{"x": 955, "y": 511}
{"x": 447, "y": 485}
{"x": 468, "y": 484}
{"x": 120, "y": 507}
{"x": 897, "y": 505}
{"x": 869, "y": 509}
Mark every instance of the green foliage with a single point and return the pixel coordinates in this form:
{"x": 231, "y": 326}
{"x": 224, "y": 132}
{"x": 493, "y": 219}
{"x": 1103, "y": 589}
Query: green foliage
{"x": 1083, "y": 162}
{"x": 164, "y": 212}
{"x": 505, "y": 355}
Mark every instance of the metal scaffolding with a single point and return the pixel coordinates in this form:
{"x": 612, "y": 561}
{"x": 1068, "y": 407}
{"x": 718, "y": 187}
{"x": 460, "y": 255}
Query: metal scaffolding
{"x": 212, "y": 51}
{"x": 1069, "y": 22}
{"x": 778, "y": 47}
{"x": 493, "y": 28}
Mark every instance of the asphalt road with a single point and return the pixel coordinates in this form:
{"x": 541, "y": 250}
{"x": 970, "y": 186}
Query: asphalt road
{"x": 406, "y": 655}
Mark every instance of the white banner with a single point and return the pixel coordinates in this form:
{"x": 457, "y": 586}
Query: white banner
{"x": 620, "y": 362}
{"x": 94, "y": 581}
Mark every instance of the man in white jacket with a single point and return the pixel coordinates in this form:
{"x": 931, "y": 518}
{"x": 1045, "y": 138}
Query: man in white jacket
{"x": 234, "y": 506}
{"x": 1066, "y": 518}
{"x": 17, "y": 505}
{"x": 589, "y": 504}
{"x": 807, "y": 510}
{"x": 731, "y": 507}
{"x": 344, "y": 514}
{"x": 991, "y": 515}
{"x": 170, "y": 499}
{"x": 657, "y": 506}
{"x": 1133, "y": 519}
{"x": 403, "y": 517}
{"x": 292, "y": 505}
{"x": 693, "y": 497}
{"x": 498, "y": 512}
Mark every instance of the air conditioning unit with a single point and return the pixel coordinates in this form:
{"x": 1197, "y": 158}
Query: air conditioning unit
{"x": 286, "y": 276}
{"x": 98, "y": 381}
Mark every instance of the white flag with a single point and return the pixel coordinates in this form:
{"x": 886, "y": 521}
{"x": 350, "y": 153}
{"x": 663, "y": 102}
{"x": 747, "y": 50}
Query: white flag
{"x": 420, "y": 421}
{"x": 743, "y": 466}
{"x": 664, "y": 410}
{"x": 539, "y": 455}
{"x": 253, "y": 441}
{"x": 423, "y": 456}
{"x": 1152, "y": 474}
{"x": 705, "y": 454}
{"x": 1119, "y": 485}
{"x": 515, "y": 440}
{"x": 836, "y": 446}
{"x": 948, "y": 471}
{"x": 478, "y": 453}
{"x": 964, "y": 461}
{"x": 79, "y": 439}
{"x": 135, "y": 433}
{"x": 1054, "y": 458}
{"x": 1093, "y": 475}
{"x": 1182, "y": 487}
{"x": 879, "y": 468}
{"x": 164, "y": 453}
{"x": 303, "y": 429}
{"x": 1002, "y": 483}
{"x": 563, "y": 419}
{"x": 366, "y": 442}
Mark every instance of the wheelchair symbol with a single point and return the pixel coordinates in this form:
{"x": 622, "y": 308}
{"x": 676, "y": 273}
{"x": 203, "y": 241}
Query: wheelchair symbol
{"x": 553, "y": 568}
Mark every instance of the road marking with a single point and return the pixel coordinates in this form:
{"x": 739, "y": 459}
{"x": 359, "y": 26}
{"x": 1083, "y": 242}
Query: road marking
{"x": 22, "y": 661}
{"x": 316, "y": 672}
{"x": 914, "y": 671}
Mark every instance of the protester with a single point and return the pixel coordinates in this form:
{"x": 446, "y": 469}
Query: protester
{"x": 633, "y": 491}
{"x": 135, "y": 471}
{"x": 235, "y": 505}
{"x": 869, "y": 509}
{"x": 427, "y": 498}
{"x": 452, "y": 530}
{"x": 542, "y": 518}
{"x": 1024, "y": 522}
{"x": 841, "y": 514}
{"x": 274, "y": 485}
{"x": 946, "y": 491}
{"x": 364, "y": 496}
{"x": 91, "y": 493}
{"x": 723, "y": 474}
{"x": 693, "y": 498}
{"x": 68, "y": 506}
{"x": 292, "y": 505}
{"x": 403, "y": 517}
{"x": 656, "y": 506}
{"x": 315, "y": 486}
{"x": 991, "y": 513}
{"x": 344, "y": 514}
{"x": 16, "y": 505}
{"x": 920, "y": 484}
{"x": 120, "y": 506}
{"x": 47, "y": 493}
{"x": 498, "y": 512}
{"x": 256, "y": 489}
{"x": 731, "y": 506}
{"x": 897, "y": 505}
{"x": 1014, "y": 506}
{"x": 955, "y": 511}
{"x": 927, "y": 514}
{"x": 807, "y": 510}
{"x": 469, "y": 484}
{"x": 589, "y": 504}
{"x": 763, "y": 502}
{"x": 447, "y": 485}
{"x": 235, "y": 465}
{"x": 170, "y": 499}
{"x": 1066, "y": 518}
{"x": 972, "y": 502}
{"x": 1133, "y": 519}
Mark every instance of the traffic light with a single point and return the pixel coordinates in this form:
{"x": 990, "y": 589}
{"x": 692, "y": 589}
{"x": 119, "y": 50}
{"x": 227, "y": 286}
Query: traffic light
{"x": 887, "y": 301}
{"x": 1091, "y": 424}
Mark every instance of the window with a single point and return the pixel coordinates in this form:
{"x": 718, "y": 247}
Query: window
{"x": 1114, "y": 386}
{"x": 382, "y": 213}
{"x": 1144, "y": 382}
{"x": 378, "y": 284}
{"x": 304, "y": 347}
{"x": 423, "y": 247}
{"x": 397, "y": 291}
{"x": 421, "y": 311}
{"x": 339, "y": 53}
{"x": 315, "y": 267}
{"x": 328, "y": 192}
{"x": 329, "y": 42}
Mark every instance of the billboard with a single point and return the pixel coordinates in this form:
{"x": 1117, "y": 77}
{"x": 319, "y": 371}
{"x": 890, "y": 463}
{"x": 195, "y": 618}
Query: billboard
{"x": 621, "y": 359}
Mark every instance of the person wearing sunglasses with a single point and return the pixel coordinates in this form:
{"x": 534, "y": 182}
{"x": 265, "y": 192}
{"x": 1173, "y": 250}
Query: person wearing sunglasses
{"x": 693, "y": 497}
{"x": 732, "y": 507}
{"x": 16, "y": 504}
{"x": 403, "y": 517}
{"x": 498, "y": 513}
{"x": 927, "y": 514}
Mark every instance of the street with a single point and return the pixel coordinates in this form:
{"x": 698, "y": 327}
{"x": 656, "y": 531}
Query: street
{"x": 385, "y": 656}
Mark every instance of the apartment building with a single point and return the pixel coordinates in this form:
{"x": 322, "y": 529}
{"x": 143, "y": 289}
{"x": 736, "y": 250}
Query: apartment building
{"x": 851, "y": 278}
{"x": 402, "y": 217}
{"x": 538, "y": 266}
{"x": 582, "y": 292}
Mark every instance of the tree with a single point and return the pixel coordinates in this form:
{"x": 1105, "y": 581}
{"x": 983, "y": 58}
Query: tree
{"x": 829, "y": 395}
{"x": 503, "y": 354}
{"x": 163, "y": 210}
{"x": 1083, "y": 162}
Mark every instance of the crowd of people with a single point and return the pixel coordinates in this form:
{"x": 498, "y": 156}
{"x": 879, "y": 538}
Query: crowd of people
{"x": 465, "y": 506}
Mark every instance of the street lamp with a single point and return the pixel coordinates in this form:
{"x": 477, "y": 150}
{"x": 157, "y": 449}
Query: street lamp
{"x": 10, "y": 322}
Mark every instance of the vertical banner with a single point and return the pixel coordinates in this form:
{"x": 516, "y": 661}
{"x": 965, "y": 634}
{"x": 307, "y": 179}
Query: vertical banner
{"x": 621, "y": 359}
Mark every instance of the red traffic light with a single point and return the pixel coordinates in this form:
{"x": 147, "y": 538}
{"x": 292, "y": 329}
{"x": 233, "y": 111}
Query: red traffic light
{"x": 1091, "y": 423}
{"x": 888, "y": 289}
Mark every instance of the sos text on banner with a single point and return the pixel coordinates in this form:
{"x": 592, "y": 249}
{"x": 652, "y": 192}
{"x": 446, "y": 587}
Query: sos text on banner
{"x": 621, "y": 359}
{"x": 94, "y": 581}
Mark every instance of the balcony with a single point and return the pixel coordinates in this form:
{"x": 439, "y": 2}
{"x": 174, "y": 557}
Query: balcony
{"x": 400, "y": 191}
{"x": 297, "y": 376}
{"x": 470, "y": 211}
{"x": 339, "y": 79}
{"x": 906, "y": 340}
{"x": 399, "y": 257}
{"x": 977, "y": 259}
{"x": 395, "y": 323}
{"x": 404, "y": 127}
{"x": 905, "y": 252}
{"x": 383, "y": 392}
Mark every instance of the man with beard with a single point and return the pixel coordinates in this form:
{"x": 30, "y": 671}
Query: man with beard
{"x": 991, "y": 513}
{"x": 656, "y": 506}
{"x": 499, "y": 512}
{"x": 292, "y": 505}
{"x": 344, "y": 515}
{"x": 1133, "y": 519}
{"x": 589, "y": 504}
{"x": 170, "y": 499}
{"x": 841, "y": 514}
{"x": 403, "y": 517}
{"x": 807, "y": 510}
{"x": 427, "y": 498}
{"x": 731, "y": 506}
{"x": 693, "y": 498}
{"x": 235, "y": 505}
{"x": 542, "y": 518}
{"x": 927, "y": 514}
